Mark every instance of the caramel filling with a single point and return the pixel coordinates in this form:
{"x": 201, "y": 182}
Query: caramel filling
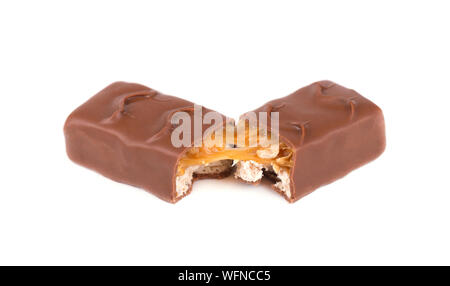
{"x": 276, "y": 156}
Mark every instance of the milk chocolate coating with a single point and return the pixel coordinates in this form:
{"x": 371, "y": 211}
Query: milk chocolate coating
{"x": 124, "y": 132}
{"x": 332, "y": 131}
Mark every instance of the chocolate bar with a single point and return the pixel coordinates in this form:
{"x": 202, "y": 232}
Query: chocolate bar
{"x": 329, "y": 130}
{"x": 126, "y": 132}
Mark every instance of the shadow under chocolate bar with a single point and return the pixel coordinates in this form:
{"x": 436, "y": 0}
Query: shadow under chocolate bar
{"x": 124, "y": 132}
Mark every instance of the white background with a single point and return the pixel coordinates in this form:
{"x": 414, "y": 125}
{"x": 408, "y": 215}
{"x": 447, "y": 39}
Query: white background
{"x": 231, "y": 56}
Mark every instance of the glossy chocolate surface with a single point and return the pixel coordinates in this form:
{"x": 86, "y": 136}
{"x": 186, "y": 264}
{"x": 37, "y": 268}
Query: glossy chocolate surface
{"x": 124, "y": 131}
{"x": 332, "y": 130}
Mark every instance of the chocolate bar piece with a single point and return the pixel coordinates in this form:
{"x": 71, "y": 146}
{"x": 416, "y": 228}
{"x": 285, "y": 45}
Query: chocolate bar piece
{"x": 124, "y": 132}
{"x": 330, "y": 130}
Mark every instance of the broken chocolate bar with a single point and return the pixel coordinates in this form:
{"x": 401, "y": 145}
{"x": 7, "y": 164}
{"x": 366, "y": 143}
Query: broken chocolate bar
{"x": 323, "y": 131}
{"x": 124, "y": 132}
{"x": 330, "y": 131}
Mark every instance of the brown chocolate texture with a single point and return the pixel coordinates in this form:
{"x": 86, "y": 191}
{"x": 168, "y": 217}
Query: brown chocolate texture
{"x": 124, "y": 133}
{"x": 332, "y": 131}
